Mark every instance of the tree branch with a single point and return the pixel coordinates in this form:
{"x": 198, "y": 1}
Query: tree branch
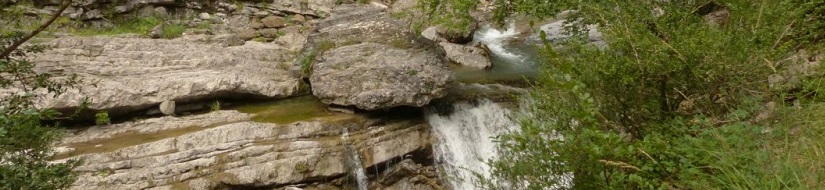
{"x": 15, "y": 45}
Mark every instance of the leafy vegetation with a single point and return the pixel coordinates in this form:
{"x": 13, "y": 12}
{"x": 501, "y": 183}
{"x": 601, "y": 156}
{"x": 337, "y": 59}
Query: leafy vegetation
{"x": 102, "y": 118}
{"x": 676, "y": 100}
{"x": 25, "y": 142}
{"x": 134, "y": 26}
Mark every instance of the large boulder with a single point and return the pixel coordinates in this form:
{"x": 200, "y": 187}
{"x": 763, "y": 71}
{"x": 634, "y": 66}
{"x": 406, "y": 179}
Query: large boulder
{"x": 124, "y": 75}
{"x": 362, "y": 57}
{"x": 222, "y": 149}
{"x": 467, "y": 55}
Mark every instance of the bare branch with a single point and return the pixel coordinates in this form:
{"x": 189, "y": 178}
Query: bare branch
{"x": 15, "y": 45}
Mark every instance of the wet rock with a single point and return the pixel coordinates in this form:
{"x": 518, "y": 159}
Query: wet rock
{"x": 361, "y": 57}
{"x": 124, "y": 75}
{"x": 467, "y": 55}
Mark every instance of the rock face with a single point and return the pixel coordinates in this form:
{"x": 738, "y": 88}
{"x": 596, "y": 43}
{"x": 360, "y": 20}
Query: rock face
{"x": 467, "y": 55}
{"x": 361, "y": 57}
{"x": 126, "y": 74}
{"x": 555, "y": 32}
{"x": 221, "y": 149}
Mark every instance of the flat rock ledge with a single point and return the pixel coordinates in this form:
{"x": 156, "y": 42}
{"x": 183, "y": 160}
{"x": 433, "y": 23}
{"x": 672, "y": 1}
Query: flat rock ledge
{"x": 123, "y": 75}
{"x": 223, "y": 150}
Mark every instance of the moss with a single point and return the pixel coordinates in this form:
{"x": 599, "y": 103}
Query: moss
{"x": 286, "y": 111}
{"x": 301, "y": 167}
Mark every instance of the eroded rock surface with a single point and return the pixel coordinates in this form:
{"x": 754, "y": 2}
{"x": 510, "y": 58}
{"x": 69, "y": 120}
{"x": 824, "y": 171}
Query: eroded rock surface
{"x": 222, "y": 149}
{"x": 361, "y": 57}
{"x": 467, "y": 55}
{"x": 129, "y": 74}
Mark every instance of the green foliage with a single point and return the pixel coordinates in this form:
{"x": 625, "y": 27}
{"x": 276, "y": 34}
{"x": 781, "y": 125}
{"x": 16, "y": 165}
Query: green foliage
{"x": 126, "y": 26}
{"x": 102, "y": 118}
{"x": 215, "y": 106}
{"x": 671, "y": 101}
{"x": 25, "y": 143}
{"x": 451, "y": 15}
{"x": 173, "y": 31}
{"x": 306, "y": 64}
{"x": 811, "y": 22}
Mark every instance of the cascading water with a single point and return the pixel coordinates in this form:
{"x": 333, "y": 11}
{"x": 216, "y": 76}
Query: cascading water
{"x": 465, "y": 140}
{"x": 496, "y": 40}
{"x": 354, "y": 162}
{"x": 513, "y": 58}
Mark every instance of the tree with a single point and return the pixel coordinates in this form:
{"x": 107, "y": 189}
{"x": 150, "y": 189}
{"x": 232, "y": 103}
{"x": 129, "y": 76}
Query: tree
{"x": 672, "y": 101}
{"x": 25, "y": 142}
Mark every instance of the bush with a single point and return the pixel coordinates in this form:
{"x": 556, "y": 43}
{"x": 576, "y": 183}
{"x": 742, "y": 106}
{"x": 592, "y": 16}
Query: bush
{"x": 172, "y": 31}
{"x": 102, "y": 118}
{"x": 672, "y": 102}
{"x": 25, "y": 142}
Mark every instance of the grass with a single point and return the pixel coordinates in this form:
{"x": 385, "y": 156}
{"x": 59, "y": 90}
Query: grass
{"x": 172, "y": 31}
{"x": 140, "y": 26}
{"x": 306, "y": 63}
{"x": 136, "y": 26}
{"x": 800, "y": 149}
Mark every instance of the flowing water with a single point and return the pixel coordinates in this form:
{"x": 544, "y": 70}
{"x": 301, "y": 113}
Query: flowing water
{"x": 465, "y": 136}
{"x": 354, "y": 162}
{"x": 465, "y": 140}
{"x": 513, "y": 59}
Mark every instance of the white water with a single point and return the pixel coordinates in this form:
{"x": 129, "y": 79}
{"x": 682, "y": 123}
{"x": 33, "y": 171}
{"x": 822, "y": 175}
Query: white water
{"x": 465, "y": 140}
{"x": 496, "y": 41}
{"x": 355, "y": 163}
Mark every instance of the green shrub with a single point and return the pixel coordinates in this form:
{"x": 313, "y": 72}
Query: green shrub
{"x": 123, "y": 26}
{"x": 215, "y": 106}
{"x": 172, "y": 31}
{"x": 671, "y": 101}
{"x": 102, "y": 118}
{"x": 306, "y": 64}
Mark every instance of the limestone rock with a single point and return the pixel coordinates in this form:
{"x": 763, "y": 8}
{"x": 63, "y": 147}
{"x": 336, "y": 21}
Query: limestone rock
{"x": 205, "y": 16}
{"x": 269, "y": 32}
{"x": 555, "y": 32}
{"x": 156, "y": 32}
{"x": 220, "y": 148}
{"x": 298, "y": 18}
{"x": 246, "y": 34}
{"x": 362, "y": 57}
{"x": 467, "y": 55}
{"x": 274, "y": 22}
{"x": 124, "y": 75}
{"x": 167, "y": 107}
{"x": 431, "y": 33}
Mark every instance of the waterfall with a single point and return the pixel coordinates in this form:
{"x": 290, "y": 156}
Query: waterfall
{"x": 465, "y": 140}
{"x": 354, "y": 162}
